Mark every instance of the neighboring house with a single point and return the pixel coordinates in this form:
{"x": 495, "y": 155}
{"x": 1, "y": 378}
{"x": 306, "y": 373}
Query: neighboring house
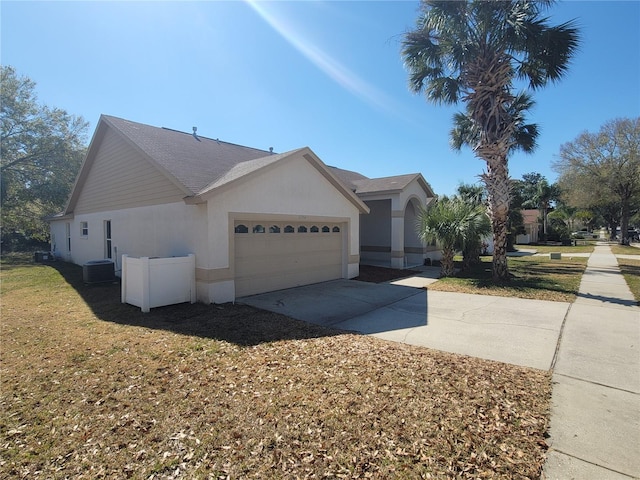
{"x": 531, "y": 226}
{"x": 256, "y": 221}
{"x": 388, "y": 233}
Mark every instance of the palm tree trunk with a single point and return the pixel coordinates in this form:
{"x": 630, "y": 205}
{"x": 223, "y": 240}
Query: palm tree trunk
{"x": 497, "y": 182}
{"x": 491, "y": 78}
{"x": 446, "y": 264}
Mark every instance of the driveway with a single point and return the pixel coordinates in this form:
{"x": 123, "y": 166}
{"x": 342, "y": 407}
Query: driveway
{"x": 511, "y": 330}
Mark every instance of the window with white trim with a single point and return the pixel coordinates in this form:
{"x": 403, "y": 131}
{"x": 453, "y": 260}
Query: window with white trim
{"x": 84, "y": 229}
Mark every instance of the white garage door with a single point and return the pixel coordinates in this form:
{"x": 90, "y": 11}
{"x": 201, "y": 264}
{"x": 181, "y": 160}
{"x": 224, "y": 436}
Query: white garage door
{"x": 272, "y": 256}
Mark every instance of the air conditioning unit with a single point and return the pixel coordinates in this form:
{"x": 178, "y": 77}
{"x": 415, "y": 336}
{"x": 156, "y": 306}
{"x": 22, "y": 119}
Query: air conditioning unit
{"x": 98, "y": 271}
{"x": 41, "y": 257}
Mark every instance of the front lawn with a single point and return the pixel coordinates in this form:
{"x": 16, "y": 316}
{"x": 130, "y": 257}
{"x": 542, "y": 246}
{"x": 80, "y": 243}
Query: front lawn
{"x": 565, "y": 250}
{"x": 535, "y": 277}
{"x": 92, "y": 389}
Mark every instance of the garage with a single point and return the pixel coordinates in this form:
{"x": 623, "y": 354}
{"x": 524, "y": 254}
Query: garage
{"x": 276, "y": 255}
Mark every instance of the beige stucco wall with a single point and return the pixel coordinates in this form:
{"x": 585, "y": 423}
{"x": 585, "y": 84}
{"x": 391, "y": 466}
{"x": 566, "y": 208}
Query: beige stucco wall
{"x": 291, "y": 189}
{"x": 173, "y": 229}
{"x": 395, "y": 241}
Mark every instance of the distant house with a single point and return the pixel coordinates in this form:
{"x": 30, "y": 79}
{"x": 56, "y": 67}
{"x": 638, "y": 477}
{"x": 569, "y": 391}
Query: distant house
{"x": 531, "y": 226}
{"x": 256, "y": 221}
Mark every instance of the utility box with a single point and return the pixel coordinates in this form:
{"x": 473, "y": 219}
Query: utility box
{"x": 40, "y": 257}
{"x": 98, "y": 271}
{"x": 555, "y": 256}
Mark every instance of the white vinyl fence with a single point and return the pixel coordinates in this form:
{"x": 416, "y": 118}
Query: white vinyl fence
{"x": 156, "y": 282}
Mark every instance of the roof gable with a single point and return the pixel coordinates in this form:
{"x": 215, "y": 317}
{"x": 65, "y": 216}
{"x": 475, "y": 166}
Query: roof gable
{"x": 194, "y": 161}
{"x": 246, "y": 170}
{"x": 196, "y": 165}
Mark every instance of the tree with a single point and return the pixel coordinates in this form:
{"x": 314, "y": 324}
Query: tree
{"x": 602, "y": 171}
{"x": 454, "y": 224}
{"x": 474, "y": 195}
{"x": 41, "y": 149}
{"x": 473, "y": 51}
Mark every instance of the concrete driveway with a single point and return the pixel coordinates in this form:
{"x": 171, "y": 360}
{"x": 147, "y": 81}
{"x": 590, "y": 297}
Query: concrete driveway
{"x": 511, "y": 330}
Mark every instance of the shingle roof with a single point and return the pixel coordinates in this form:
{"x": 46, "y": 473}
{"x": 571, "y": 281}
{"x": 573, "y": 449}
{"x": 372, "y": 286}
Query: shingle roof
{"x": 195, "y": 162}
{"x": 361, "y": 185}
{"x": 348, "y": 177}
{"x": 384, "y": 184}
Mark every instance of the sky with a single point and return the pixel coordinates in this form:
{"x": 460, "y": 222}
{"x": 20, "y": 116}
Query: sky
{"x": 288, "y": 74}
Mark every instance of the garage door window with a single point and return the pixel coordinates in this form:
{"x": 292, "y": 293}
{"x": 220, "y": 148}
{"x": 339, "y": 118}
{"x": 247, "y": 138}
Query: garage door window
{"x": 258, "y": 228}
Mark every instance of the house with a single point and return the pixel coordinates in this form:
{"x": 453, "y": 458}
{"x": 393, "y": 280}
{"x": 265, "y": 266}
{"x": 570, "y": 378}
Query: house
{"x": 256, "y": 220}
{"x": 388, "y": 233}
{"x": 531, "y": 226}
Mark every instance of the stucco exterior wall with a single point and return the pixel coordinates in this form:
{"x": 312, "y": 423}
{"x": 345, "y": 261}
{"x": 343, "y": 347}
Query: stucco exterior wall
{"x": 375, "y": 232}
{"x": 292, "y": 189}
{"x": 173, "y": 229}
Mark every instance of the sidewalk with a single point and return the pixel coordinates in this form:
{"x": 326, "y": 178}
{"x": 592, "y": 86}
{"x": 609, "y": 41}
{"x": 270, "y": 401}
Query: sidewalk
{"x": 595, "y": 405}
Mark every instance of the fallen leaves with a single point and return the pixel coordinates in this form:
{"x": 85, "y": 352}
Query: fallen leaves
{"x": 162, "y": 403}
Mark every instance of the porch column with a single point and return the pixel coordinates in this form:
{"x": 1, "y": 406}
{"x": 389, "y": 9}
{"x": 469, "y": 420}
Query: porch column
{"x": 397, "y": 239}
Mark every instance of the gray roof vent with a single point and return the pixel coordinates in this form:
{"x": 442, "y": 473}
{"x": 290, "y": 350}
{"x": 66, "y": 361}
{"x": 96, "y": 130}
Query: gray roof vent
{"x": 195, "y": 135}
{"x": 270, "y": 149}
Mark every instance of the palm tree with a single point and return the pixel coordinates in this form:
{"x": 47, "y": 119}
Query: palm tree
{"x": 473, "y": 51}
{"x": 545, "y": 194}
{"x": 475, "y": 195}
{"x": 454, "y": 224}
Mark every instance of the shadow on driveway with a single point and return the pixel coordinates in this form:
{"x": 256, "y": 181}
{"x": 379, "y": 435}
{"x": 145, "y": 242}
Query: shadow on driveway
{"x": 335, "y": 303}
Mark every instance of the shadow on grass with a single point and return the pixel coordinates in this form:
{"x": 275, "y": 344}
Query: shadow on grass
{"x": 239, "y": 324}
{"x": 527, "y": 275}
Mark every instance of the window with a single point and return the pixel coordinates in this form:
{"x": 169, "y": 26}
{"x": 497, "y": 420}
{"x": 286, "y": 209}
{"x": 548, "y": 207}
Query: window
{"x": 67, "y": 227}
{"x": 84, "y": 229}
{"x": 289, "y": 229}
{"x": 325, "y": 229}
{"x": 314, "y": 229}
{"x": 336, "y": 229}
{"x": 302, "y": 229}
{"x": 241, "y": 229}
{"x": 274, "y": 229}
{"x": 258, "y": 229}
{"x": 107, "y": 239}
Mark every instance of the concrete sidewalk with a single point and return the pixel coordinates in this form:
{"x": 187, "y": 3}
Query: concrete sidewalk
{"x": 595, "y": 416}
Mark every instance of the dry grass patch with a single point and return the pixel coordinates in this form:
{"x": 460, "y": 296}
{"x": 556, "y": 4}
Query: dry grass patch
{"x": 564, "y": 249}
{"x": 533, "y": 277}
{"x": 95, "y": 389}
{"x": 631, "y": 271}
{"x": 618, "y": 249}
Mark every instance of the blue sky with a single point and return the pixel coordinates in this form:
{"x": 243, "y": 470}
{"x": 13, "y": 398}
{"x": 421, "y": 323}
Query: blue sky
{"x": 323, "y": 74}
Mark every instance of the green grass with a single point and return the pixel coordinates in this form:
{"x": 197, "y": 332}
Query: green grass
{"x": 533, "y": 277}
